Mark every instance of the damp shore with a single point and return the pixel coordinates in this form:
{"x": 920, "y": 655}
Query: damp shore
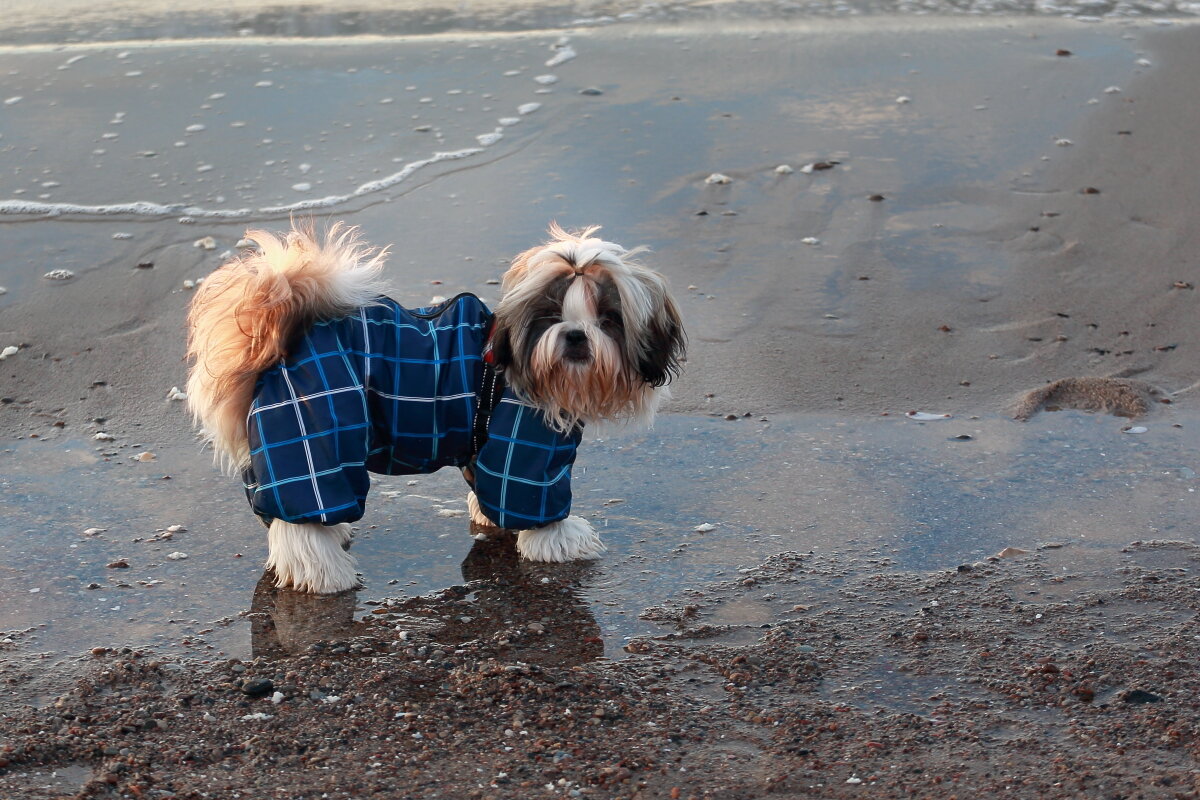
{"x": 809, "y": 591}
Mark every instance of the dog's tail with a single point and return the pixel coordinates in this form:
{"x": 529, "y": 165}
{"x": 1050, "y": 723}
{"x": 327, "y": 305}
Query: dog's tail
{"x": 245, "y": 313}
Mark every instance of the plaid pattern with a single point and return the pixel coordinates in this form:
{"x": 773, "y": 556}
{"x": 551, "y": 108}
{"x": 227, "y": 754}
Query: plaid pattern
{"x": 393, "y": 391}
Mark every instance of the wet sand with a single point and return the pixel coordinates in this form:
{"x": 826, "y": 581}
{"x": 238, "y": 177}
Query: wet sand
{"x": 840, "y": 628}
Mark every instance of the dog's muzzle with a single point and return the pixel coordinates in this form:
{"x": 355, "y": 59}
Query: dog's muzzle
{"x": 576, "y": 346}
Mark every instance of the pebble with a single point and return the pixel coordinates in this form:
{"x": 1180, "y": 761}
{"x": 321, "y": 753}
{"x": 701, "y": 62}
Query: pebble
{"x": 207, "y": 243}
{"x": 177, "y": 556}
{"x": 11, "y": 350}
{"x": 564, "y": 54}
{"x": 59, "y": 275}
{"x": 718, "y": 179}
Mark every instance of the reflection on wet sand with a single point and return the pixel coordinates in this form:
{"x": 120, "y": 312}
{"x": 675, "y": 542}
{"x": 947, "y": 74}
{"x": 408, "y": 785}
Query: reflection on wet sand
{"x": 519, "y": 610}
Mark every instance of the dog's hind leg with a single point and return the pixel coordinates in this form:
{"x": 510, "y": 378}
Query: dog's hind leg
{"x": 311, "y": 557}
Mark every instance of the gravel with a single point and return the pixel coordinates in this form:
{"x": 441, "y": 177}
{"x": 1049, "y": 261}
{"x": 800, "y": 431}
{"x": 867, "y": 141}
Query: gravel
{"x": 1016, "y": 678}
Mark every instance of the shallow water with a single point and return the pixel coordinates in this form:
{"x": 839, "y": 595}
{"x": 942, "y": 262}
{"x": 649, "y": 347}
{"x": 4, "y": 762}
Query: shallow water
{"x": 30, "y": 21}
{"x": 888, "y": 491}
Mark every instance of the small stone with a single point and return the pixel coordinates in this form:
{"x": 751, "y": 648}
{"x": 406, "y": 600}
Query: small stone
{"x": 59, "y": 275}
{"x": 1139, "y": 696}
{"x": 207, "y": 243}
{"x": 257, "y": 687}
{"x": 718, "y": 179}
{"x": 177, "y": 556}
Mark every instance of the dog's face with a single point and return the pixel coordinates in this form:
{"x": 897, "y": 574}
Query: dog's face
{"x": 586, "y": 334}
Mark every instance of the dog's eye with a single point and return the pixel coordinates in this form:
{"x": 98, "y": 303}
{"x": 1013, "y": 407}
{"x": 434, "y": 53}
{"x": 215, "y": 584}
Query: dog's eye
{"x": 611, "y": 319}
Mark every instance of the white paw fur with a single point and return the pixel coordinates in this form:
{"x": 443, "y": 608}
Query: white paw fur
{"x": 568, "y": 539}
{"x": 477, "y": 515}
{"x": 310, "y": 557}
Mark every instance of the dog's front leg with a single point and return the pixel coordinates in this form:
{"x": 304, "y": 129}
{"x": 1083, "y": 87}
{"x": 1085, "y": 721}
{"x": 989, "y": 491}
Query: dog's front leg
{"x": 477, "y": 515}
{"x": 311, "y": 557}
{"x": 569, "y": 539}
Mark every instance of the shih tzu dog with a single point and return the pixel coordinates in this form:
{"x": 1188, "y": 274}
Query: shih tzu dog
{"x": 305, "y": 378}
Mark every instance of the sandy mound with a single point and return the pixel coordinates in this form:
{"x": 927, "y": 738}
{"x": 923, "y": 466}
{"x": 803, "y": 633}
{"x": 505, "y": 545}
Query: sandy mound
{"x": 1121, "y": 397}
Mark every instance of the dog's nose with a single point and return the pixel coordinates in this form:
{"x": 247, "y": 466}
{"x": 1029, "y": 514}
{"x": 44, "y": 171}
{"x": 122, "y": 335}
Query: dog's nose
{"x": 575, "y": 338}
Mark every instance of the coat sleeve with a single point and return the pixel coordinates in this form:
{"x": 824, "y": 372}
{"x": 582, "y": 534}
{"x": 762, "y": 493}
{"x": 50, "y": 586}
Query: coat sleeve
{"x": 523, "y": 471}
{"x": 309, "y": 437}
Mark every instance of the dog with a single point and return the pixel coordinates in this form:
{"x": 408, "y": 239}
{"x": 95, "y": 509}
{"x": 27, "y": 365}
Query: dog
{"x": 304, "y": 378}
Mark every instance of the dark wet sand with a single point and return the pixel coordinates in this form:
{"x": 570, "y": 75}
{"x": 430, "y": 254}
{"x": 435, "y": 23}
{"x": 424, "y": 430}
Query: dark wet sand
{"x": 983, "y": 272}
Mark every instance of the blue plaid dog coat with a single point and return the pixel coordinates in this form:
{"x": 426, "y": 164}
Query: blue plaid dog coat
{"x": 396, "y": 391}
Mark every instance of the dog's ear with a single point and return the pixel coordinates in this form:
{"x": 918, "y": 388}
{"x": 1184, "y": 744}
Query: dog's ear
{"x": 665, "y": 343}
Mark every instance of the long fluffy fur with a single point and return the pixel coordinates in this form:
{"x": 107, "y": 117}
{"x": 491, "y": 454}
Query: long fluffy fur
{"x": 614, "y": 386}
{"x": 244, "y": 314}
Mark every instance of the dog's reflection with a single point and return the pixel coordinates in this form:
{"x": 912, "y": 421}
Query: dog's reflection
{"x": 522, "y": 610}
{"x": 286, "y": 622}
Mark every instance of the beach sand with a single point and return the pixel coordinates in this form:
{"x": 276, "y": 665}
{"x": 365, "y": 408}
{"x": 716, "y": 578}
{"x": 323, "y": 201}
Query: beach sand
{"x": 998, "y": 203}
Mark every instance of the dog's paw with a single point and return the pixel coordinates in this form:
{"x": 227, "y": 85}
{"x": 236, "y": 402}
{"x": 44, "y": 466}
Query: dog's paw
{"x": 311, "y": 558}
{"x": 479, "y": 519}
{"x": 570, "y": 539}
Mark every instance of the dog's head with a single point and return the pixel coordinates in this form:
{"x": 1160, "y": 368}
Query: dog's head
{"x": 585, "y": 333}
